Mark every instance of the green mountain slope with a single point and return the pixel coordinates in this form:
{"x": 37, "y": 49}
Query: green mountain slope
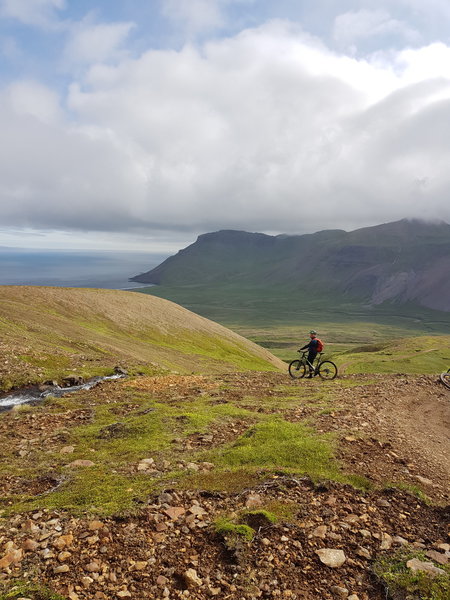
{"x": 405, "y": 263}
{"x": 47, "y": 333}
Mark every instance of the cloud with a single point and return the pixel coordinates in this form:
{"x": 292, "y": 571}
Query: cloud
{"x": 352, "y": 27}
{"x": 199, "y": 16}
{"x": 90, "y": 43}
{"x": 267, "y": 130}
{"x": 41, "y": 13}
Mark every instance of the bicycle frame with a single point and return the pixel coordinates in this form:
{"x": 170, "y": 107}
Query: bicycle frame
{"x": 308, "y": 364}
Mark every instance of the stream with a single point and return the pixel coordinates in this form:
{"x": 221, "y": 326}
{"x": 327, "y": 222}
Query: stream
{"x": 34, "y": 394}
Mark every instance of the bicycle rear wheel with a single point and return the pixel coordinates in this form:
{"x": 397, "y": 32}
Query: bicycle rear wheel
{"x": 445, "y": 378}
{"x": 297, "y": 369}
{"x": 327, "y": 369}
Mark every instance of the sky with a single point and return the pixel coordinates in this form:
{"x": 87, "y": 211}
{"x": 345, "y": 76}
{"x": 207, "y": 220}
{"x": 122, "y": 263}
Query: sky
{"x": 139, "y": 124}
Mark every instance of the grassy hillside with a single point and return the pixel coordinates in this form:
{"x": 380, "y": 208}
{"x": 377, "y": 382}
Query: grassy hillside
{"x": 47, "y": 333}
{"x": 391, "y": 265}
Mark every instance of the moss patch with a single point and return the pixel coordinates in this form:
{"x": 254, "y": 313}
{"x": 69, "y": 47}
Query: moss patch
{"x": 401, "y": 582}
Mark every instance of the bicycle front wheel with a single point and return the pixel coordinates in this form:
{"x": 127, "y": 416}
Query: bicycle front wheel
{"x": 297, "y": 369}
{"x": 327, "y": 369}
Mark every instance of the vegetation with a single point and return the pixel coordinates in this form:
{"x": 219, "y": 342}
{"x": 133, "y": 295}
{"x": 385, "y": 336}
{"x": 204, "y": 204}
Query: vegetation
{"x": 401, "y": 582}
{"x": 48, "y": 333}
{"x": 29, "y": 590}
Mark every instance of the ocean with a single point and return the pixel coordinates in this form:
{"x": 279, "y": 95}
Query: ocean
{"x": 75, "y": 268}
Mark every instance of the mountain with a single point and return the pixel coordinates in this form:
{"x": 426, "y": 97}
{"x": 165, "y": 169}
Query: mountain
{"x": 405, "y": 262}
{"x": 47, "y": 333}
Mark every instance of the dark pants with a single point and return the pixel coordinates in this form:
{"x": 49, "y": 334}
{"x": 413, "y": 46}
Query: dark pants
{"x": 311, "y": 358}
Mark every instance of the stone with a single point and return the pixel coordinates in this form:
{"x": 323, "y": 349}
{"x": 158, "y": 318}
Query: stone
{"x": 192, "y": 466}
{"x": 364, "y": 552}
{"x": 437, "y": 557}
{"x": 87, "y": 581}
{"x": 80, "y": 463}
{"x": 30, "y": 545}
{"x": 123, "y": 594}
{"x": 162, "y": 581}
{"x": 93, "y": 567}
{"x": 424, "y": 480}
{"x": 63, "y": 556}
{"x": 386, "y": 541}
{"x": 192, "y": 579}
{"x": 399, "y": 540}
{"x": 67, "y": 450}
{"x": 95, "y": 525}
{"x": 174, "y": 512}
{"x": 64, "y": 541}
{"x": 416, "y": 565}
{"x": 12, "y": 557}
{"x": 253, "y": 501}
{"x": 339, "y": 592}
{"x": 331, "y": 557}
{"x": 320, "y": 531}
{"x": 61, "y": 569}
{"x": 141, "y": 565}
{"x": 118, "y": 370}
{"x": 353, "y": 597}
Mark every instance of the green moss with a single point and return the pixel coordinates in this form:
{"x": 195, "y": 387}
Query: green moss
{"x": 30, "y": 590}
{"x": 400, "y": 581}
{"x": 279, "y": 444}
{"x": 95, "y": 490}
{"x": 227, "y": 528}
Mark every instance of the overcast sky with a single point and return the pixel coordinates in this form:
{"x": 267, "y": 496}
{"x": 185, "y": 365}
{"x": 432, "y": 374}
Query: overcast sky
{"x": 142, "y": 123}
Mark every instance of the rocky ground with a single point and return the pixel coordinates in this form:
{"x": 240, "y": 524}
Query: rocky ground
{"x": 308, "y": 540}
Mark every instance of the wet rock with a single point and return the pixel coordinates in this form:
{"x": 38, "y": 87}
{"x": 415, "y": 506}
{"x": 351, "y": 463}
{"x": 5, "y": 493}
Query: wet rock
{"x": 73, "y": 380}
{"x": 331, "y": 557}
{"x": 118, "y": 370}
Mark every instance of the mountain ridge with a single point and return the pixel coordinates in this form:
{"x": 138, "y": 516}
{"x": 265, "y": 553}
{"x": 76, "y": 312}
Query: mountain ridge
{"x": 405, "y": 261}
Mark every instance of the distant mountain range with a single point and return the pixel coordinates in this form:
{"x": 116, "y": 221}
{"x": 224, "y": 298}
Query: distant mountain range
{"x": 407, "y": 261}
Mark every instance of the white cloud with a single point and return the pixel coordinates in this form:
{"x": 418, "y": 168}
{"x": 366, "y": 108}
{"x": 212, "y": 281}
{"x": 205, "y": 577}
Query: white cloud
{"x": 268, "y": 130}
{"x": 41, "y": 13}
{"x": 352, "y": 27}
{"x": 199, "y": 16}
{"x": 90, "y": 43}
{"x": 31, "y": 98}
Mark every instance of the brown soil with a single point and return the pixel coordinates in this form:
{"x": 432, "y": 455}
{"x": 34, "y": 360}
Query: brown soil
{"x": 392, "y": 430}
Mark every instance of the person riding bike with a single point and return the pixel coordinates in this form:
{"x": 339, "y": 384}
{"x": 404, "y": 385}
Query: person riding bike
{"x": 313, "y": 349}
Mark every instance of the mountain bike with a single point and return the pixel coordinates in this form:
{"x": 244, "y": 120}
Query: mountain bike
{"x": 445, "y": 378}
{"x": 326, "y": 369}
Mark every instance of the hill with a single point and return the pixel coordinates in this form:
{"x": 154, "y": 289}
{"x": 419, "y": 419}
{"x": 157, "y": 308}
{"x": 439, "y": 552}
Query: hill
{"x": 46, "y": 333}
{"x": 379, "y": 269}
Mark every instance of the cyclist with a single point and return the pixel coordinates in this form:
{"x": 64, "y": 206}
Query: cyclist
{"x": 313, "y": 349}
